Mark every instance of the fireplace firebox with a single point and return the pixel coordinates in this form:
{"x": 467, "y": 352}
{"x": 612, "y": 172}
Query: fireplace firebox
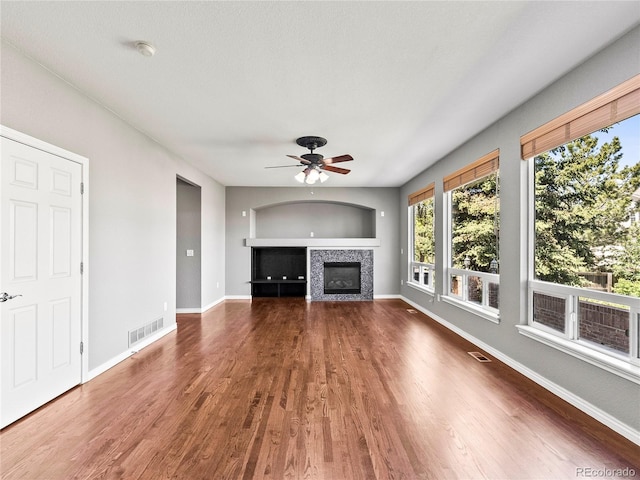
{"x": 342, "y": 277}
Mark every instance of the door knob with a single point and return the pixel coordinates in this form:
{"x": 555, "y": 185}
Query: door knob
{"x": 4, "y": 296}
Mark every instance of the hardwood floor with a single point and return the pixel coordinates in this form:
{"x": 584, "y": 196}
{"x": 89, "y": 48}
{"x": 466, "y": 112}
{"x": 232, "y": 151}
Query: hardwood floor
{"x": 282, "y": 388}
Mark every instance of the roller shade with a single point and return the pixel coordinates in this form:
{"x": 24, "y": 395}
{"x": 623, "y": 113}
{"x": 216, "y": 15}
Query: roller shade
{"x": 480, "y": 168}
{"x": 611, "y": 107}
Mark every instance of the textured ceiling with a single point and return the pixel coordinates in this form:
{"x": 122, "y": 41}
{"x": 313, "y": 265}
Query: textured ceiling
{"x": 233, "y": 84}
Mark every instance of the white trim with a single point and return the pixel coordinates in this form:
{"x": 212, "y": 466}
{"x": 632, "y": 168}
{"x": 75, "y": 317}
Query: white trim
{"x": 588, "y": 354}
{"x": 188, "y": 310}
{"x": 578, "y": 402}
{"x": 213, "y": 304}
{"x": 312, "y": 242}
{"x": 237, "y": 297}
{"x": 124, "y": 355}
{"x": 84, "y": 163}
{"x": 386, "y": 296}
{"x": 201, "y": 309}
{"x": 470, "y": 307}
{"x": 421, "y": 288}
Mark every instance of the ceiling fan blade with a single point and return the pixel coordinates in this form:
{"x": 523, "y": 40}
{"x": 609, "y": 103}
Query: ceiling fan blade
{"x": 285, "y": 166}
{"x": 329, "y": 168}
{"x": 341, "y": 158}
{"x": 301, "y": 160}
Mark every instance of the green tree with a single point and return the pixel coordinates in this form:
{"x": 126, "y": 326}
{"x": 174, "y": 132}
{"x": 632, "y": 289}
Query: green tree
{"x": 582, "y": 198}
{"x": 476, "y": 223}
{"x": 424, "y": 241}
{"x": 627, "y": 266}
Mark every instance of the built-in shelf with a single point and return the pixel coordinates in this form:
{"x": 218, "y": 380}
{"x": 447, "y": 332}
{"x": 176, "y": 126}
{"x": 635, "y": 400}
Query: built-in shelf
{"x": 312, "y": 242}
{"x": 279, "y": 272}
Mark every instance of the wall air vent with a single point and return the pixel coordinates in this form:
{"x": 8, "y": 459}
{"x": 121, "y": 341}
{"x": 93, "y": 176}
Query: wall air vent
{"x": 145, "y": 330}
{"x": 478, "y": 356}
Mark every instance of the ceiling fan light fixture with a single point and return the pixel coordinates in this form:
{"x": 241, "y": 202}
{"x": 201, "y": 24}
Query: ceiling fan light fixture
{"x": 300, "y": 177}
{"x": 313, "y": 176}
{"x": 323, "y": 177}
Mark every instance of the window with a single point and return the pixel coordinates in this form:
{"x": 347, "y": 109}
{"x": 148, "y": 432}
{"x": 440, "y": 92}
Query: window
{"x": 422, "y": 238}
{"x": 584, "y": 289}
{"x": 472, "y": 278}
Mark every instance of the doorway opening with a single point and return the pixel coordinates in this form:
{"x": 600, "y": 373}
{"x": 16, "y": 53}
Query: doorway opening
{"x": 189, "y": 247}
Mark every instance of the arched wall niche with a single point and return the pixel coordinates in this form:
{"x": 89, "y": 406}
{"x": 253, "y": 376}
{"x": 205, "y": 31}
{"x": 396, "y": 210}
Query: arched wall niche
{"x": 313, "y": 219}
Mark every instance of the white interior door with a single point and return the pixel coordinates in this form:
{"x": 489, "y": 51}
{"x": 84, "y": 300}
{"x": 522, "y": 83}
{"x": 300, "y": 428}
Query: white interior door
{"x": 40, "y": 260}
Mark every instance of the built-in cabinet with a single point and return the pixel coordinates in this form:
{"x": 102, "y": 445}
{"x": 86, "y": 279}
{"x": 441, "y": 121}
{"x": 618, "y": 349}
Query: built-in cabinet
{"x": 278, "y": 271}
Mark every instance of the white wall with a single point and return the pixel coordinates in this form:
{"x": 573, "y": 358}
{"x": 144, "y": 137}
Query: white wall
{"x": 613, "y": 397}
{"x": 132, "y": 204}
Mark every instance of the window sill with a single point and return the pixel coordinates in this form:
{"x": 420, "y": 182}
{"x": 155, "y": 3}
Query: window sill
{"x": 421, "y": 288}
{"x": 469, "y": 307}
{"x": 609, "y": 363}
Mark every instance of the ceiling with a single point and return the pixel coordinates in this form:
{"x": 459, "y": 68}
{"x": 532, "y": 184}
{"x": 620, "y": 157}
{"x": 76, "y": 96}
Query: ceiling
{"x": 395, "y": 84}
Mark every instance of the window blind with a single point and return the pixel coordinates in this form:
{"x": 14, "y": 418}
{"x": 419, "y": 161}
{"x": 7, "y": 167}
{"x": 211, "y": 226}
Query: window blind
{"x": 617, "y": 104}
{"x": 422, "y": 195}
{"x": 480, "y": 168}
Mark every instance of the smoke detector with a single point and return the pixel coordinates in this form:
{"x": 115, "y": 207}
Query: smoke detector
{"x": 145, "y": 49}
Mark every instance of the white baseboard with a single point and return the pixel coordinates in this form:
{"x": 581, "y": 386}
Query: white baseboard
{"x": 201, "y": 309}
{"x": 188, "y": 310}
{"x": 124, "y": 355}
{"x": 213, "y": 304}
{"x": 237, "y": 297}
{"x": 386, "y": 297}
{"x": 578, "y": 402}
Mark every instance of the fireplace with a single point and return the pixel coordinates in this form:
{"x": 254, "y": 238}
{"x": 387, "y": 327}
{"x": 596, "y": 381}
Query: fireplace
{"x": 341, "y": 277}
{"x": 348, "y": 273}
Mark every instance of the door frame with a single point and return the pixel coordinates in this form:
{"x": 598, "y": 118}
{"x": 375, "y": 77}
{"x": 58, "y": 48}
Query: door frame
{"x": 30, "y": 141}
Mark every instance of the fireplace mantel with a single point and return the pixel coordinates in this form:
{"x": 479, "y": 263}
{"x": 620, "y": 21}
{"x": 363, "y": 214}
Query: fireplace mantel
{"x": 312, "y": 242}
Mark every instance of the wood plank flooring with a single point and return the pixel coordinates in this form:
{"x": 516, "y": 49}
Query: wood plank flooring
{"x": 285, "y": 389}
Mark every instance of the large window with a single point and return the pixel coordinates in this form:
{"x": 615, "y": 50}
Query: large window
{"x": 585, "y": 255}
{"x": 422, "y": 241}
{"x": 472, "y": 277}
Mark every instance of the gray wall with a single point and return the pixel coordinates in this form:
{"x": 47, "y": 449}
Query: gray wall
{"x": 245, "y": 199}
{"x": 132, "y": 204}
{"x": 612, "y": 394}
{"x": 324, "y": 220}
{"x": 189, "y": 234}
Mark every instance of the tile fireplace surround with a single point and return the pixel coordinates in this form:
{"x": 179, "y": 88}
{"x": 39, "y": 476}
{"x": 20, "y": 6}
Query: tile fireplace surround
{"x": 317, "y": 259}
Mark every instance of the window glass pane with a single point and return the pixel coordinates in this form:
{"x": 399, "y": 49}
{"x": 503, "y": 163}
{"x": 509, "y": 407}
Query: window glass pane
{"x": 455, "y": 285}
{"x": 474, "y": 289}
{"x": 587, "y": 203}
{"x": 475, "y": 223}
{"x": 549, "y": 310}
{"x": 494, "y": 290}
{"x": 606, "y": 324}
{"x": 423, "y": 235}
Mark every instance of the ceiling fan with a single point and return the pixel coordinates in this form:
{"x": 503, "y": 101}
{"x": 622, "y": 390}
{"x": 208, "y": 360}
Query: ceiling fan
{"x": 314, "y": 163}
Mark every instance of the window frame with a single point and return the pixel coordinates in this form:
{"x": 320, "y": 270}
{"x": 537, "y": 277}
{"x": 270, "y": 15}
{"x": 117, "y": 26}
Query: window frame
{"x": 598, "y": 113}
{"x": 427, "y": 193}
{"x": 483, "y": 167}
